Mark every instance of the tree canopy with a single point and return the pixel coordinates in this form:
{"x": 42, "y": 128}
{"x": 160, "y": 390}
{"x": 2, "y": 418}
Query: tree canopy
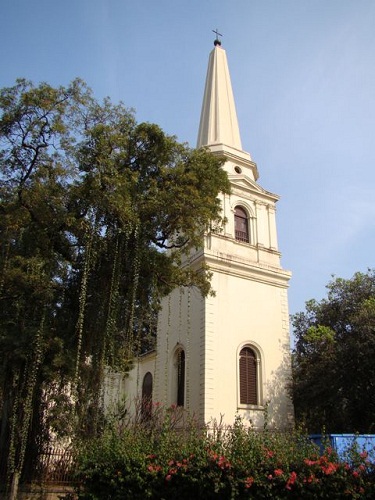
{"x": 334, "y": 371}
{"x": 96, "y": 212}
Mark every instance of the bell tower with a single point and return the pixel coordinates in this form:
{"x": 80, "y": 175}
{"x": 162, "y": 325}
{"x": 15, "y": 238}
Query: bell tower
{"x": 229, "y": 354}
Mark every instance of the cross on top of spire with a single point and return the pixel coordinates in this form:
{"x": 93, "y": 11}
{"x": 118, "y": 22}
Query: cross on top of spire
{"x": 217, "y": 40}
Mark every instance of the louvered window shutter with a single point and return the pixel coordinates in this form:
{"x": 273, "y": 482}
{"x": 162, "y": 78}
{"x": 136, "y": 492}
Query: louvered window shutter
{"x": 248, "y": 377}
{"x": 147, "y": 396}
{"x": 241, "y": 225}
{"x": 181, "y": 378}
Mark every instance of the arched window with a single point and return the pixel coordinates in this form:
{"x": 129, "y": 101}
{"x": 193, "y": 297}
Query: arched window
{"x": 248, "y": 377}
{"x": 180, "y": 377}
{"x": 241, "y": 225}
{"x": 146, "y": 396}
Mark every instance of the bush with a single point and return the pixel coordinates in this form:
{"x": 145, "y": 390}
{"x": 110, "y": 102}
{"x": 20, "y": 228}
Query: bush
{"x": 171, "y": 457}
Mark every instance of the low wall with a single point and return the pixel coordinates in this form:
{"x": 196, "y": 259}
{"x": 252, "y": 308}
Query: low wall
{"x": 43, "y": 492}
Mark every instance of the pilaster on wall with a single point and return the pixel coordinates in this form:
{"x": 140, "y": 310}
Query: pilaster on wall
{"x": 271, "y": 211}
{"x": 208, "y": 360}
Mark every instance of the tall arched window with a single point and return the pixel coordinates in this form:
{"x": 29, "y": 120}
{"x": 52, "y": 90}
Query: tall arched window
{"x": 146, "y": 396}
{"x": 180, "y": 377}
{"x": 248, "y": 376}
{"x": 241, "y": 225}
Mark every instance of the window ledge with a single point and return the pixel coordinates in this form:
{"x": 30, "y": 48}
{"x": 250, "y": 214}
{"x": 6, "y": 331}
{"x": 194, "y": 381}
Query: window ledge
{"x": 251, "y": 407}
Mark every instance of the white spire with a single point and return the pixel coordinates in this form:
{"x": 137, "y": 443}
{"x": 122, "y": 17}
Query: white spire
{"x": 218, "y": 124}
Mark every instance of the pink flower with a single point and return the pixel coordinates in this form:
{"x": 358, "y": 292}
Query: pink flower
{"x": 168, "y": 477}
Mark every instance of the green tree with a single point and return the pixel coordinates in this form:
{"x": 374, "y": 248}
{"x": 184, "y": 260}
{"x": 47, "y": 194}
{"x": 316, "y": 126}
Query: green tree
{"x": 333, "y": 369}
{"x": 96, "y": 215}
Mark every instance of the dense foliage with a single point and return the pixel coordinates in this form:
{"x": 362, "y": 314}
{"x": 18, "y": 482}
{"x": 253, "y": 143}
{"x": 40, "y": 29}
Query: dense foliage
{"x": 334, "y": 370}
{"x": 168, "y": 461}
{"x": 96, "y": 212}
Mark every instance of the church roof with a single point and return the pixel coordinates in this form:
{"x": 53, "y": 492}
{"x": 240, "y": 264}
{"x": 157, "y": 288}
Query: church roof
{"x": 218, "y": 123}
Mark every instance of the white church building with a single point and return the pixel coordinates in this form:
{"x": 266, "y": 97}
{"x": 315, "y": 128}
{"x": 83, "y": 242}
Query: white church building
{"x": 229, "y": 354}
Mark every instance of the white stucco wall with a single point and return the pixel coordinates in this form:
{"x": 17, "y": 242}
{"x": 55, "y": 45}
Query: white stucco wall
{"x": 254, "y": 313}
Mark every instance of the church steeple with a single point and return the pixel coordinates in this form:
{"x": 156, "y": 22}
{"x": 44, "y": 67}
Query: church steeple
{"x": 218, "y": 127}
{"x": 218, "y": 123}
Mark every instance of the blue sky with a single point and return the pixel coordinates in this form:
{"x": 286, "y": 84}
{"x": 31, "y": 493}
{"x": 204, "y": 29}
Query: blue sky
{"x": 303, "y": 75}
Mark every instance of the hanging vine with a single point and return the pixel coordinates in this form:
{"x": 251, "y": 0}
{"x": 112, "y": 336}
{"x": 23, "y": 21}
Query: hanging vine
{"x": 106, "y": 348}
{"x": 180, "y": 313}
{"x": 133, "y": 298}
{"x": 31, "y": 384}
{"x": 23, "y": 408}
{"x": 108, "y": 345}
{"x": 88, "y": 248}
{"x": 11, "y": 463}
{"x": 188, "y": 335}
{"x": 166, "y": 366}
{"x": 6, "y": 262}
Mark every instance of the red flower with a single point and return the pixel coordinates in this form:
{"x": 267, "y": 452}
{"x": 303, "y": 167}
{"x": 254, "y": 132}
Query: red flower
{"x": 248, "y": 482}
{"x": 154, "y": 468}
{"x": 309, "y": 462}
{"x": 278, "y": 472}
{"x": 223, "y": 463}
{"x": 310, "y": 479}
{"x": 291, "y": 480}
{"x": 330, "y": 468}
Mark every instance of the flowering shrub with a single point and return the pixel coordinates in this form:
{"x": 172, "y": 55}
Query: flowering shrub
{"x": 168, "y": 460}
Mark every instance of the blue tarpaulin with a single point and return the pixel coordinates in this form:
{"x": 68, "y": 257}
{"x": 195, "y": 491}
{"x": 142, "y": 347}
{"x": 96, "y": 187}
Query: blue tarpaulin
{"x": 342, "y": 443}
